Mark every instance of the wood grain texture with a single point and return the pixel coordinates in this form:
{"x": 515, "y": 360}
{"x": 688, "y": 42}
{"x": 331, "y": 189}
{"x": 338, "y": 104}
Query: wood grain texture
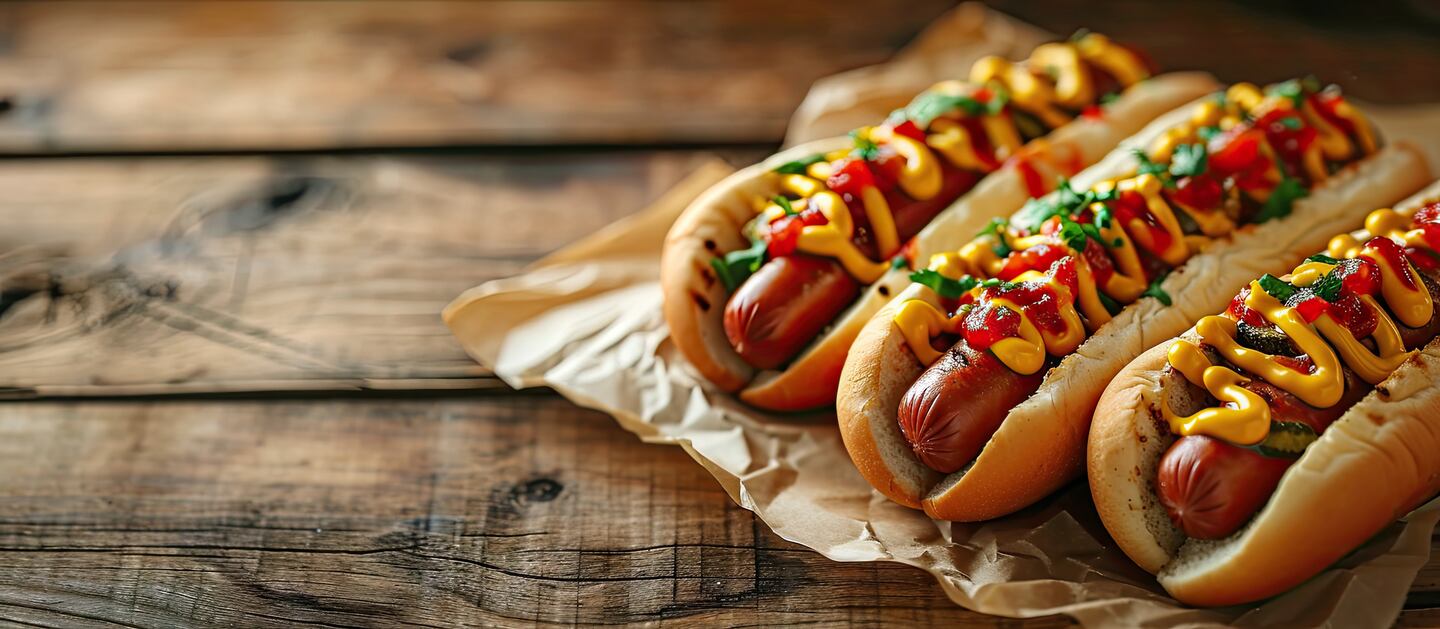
{"x": 455, "y": 512}
{"x": 101, "y": 77}
{"x": 230, "y": 274}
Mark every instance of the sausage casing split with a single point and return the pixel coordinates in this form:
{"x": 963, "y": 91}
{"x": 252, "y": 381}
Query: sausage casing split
{"x": 951, "y": 411}
{"x": 789, "y": 300}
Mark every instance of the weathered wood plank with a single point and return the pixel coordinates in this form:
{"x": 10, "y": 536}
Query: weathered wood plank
{"x": 470, "y": 511}
{"x": 291, "y": 75}
{"x": 1375, "y": 50}
{"x": 99, "y": 77}
{"x": 225, "y": 274}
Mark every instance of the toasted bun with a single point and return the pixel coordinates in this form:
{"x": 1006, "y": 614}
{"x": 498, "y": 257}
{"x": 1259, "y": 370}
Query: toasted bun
{"x": 695, "y": 299}
{"x": 1378, "y": 461}
{"x": 1041, "y": 444}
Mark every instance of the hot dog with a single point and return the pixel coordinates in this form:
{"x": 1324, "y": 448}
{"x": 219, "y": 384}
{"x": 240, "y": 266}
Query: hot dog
{"x": 788, "y": 301}
{"x": 1058, "y": 293}
{"x": 871, "y": 203}
{"x": 1325, "y": 412}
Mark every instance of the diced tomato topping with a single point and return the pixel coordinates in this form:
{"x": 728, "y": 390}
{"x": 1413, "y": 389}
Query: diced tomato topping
{"x": 909, "y": 130}
{"x": 784, "y": 235}
{"x": 1427, "y": 219}
{"x": 1359, "y": 276}
{"x": 851, "y": 175}
{"x": 1423, "y": 259}
{"x": 1131, "y": 205}
{"x": 1063, "y": 270}
{"x": 1101, "y": 266}
{"x": 1311, "y": 308}
{"x": 1092, "y": 112}
{"x": 1354, "y": 314}
{"x": 1288, "y": 135}
{"x": 1240, "y": 312}
{"x": 1200, "y": 192}
{"x": 812, "y": 216}
{"x": 1236, "y": 150}
{"x": 987, "y": 324}
{"x": 1325, "y": 104}
{"x": 1037, "y": 258}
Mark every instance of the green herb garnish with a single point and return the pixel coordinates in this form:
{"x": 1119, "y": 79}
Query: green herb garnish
{"x": 1282, "y": 199}
{"x": 997, "y": 228}
{"x": 798, "y": 167}
{"x": 931, "y": 105}
{"x": 1276, "y": 287}
{"x": 1207, "y": 133}
{"x": 1291, "y": 122}
{"x": 1189, "y": 160}
{"x": 1320, "y": 257}
{"x": 1109, "y": 97}
{"x": 1295, "y": 89}
{"x": 1111, "y": 306}
{"x": 996, "y": 282}
{"x": 944, "y": 286}
{"x": 1150, "y": 167}
{"x": 735, "y": 267}
{"x": 1155, "y": 291}
{"x": 865, "y": 148}
{"x": 784, "y": 204}
{"x": 899, "y": 262}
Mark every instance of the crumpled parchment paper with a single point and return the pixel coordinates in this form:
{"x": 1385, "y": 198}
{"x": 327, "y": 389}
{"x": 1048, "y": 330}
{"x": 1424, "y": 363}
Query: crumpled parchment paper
{"x": 586, "y": 322}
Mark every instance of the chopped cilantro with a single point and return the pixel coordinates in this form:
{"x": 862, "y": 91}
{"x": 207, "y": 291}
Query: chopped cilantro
{"x": 1282, "y": 199}
{"x": 1155, "y": 291}
{"x": 944, "y": 286}
{"x": 1291, "y": 122}
{"x": 1189, "y": 160}
{"x": 1076, "y": 235}
{"x": 1104, "y": 216}
{"x": 797, "y": 167}
{"x": 996, "y": 282}
{"x": 1111, "y": 306}
{"x": 1328, "y": 286}
{"x": 1295, "y": 89}
{"x": 784, "y": 204}
{"x": 996, "y": 228}
{"x": 899, "y": 262}
{"x": 931, "y": 105}
{"x": 865, "y": 148}
{"x": 1109, "y": 97}
{"x": 1276, "y": 287}
{"x": 1149, "y": 167}
{"x": 1320, "y": 257}
{"x": 735, "y": 267}
{"x": 1207, "y": 133}
{"x": 1064, "y": 202}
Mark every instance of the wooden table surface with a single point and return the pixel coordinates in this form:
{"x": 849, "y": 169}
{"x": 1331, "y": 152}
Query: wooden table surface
{"x": 226, "y": 232}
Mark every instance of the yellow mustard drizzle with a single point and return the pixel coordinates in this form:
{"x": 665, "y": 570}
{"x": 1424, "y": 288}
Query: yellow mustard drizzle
{"x": 1236, "y": 423}
{"x": 921, "y": 177}
{"x": 1125, "y": 285}
{"x": 1239, "y": 421}
{"x": 918, "y": 322}
{"x": 1127, "y": 282}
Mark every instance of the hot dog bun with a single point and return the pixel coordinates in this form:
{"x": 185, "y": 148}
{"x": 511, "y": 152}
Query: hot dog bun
{"x": 711, "y": 225}
{"x": 1040, "y": 445}
{"x": 1377, "y": 462}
